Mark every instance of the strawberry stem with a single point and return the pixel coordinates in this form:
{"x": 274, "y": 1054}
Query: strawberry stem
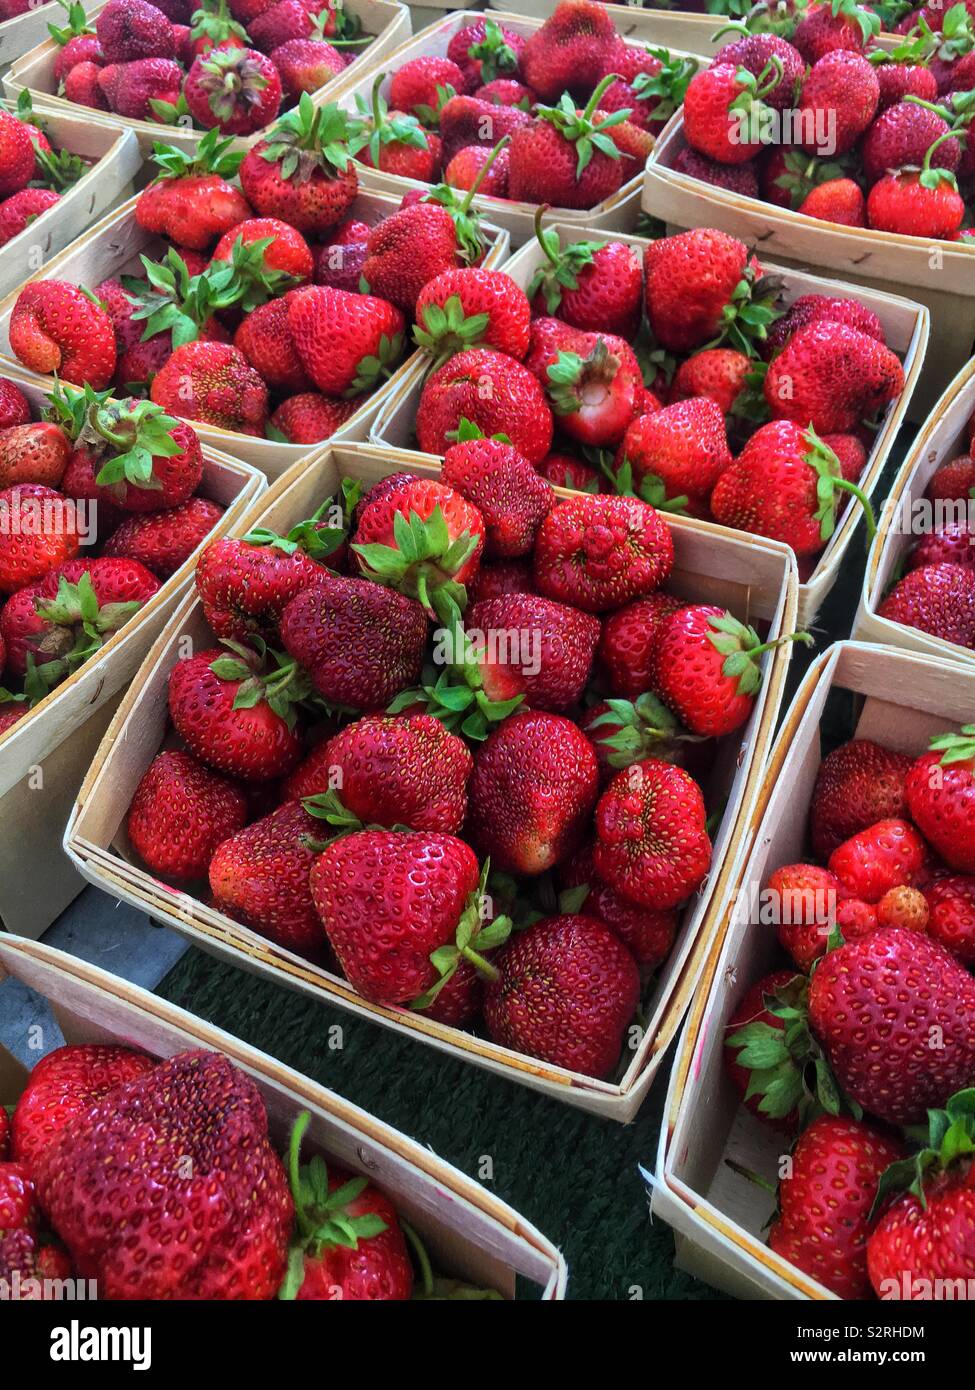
{"x": 593, "y": 103}
{"x": 868, "y": 512}
{"x": 482, "y": 173}
{"x": 751, "y": 1175}
{"x": 480, "y": 963}
{"x": 422, "y": 1258}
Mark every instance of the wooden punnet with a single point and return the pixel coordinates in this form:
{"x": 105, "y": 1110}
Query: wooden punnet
{"x": 618, "y": 213}
{"x": 898, "y": 700}
{"x": 44, "y": 756}
{"x": 469, "y": 1234}
{"x": 26, "y": 30}
{"x": 942, "y": 438}
{"x": 113, "y": 247}
{"x": 940, "y": 274}
{"x": 105, "y": 183}
{"x": 390, "y": 22}
{"x": 906, "y": 327}
{"x": 756, "y": 579}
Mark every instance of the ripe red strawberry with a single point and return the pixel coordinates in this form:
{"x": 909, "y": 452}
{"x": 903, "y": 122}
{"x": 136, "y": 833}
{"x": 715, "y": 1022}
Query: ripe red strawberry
{"x": 593, "y": 380}
{"x": 310, "y": 418}
{"x": 888, "y": 854}
{"x": 951, "y": 915}
{"x": 476, "y": 166}
{"x": 288, "y": 251}
{"x": 41, "y": 530}
{"x": 678, "y": 452}
{"x": 567, "y": 471}
{"x": 567, "y": 990}
{"x": 215, "y": 384}
{"x": 131, "y": 29}
{"x": 138, "y": 90}
{"x": 339, "y": 261}
{"x": 192, "y": 200}
{"x": 56, "y": 328}
{"x": 647, "y": 934}
{"x": 858, "y": 784}
{"x": 484, "y": 50}
{"x": 720, "y": 374}
{"x": 419, "y": 86}
{"x": 64, "y": 1086}
{"x": 17, "y": 155}
{"x": 724, "y": 110}
{"x": 472, "y": 307}
{"x": 703, "y": 286}
{"x": 492, "y": 391}
{"x": 301, "y": 171}
{"x": 83, "y": 88}
{"x": 940, "y": 790}
{"x": 899, "y": 79}
{"x": 826, "y": 28}
{"x": 805, "y": 898}
{"x": 394, "y": 141}
{"x": 21, "y": 209}
{"x": 266, "y": 340}
{"x": 180, "y": 812}
{"x": 625, "y": 653}
{"x": 237, "y": 90}
{"x": 360, "y": 642}
{"x": 282, "y": 21}
{"x": 571, "y": 51}
{"x": 652, "y": 844}
{"x": 756, "y": 1048}
{"x": 528, "y": 646}
{"x": 259, "y": 876}
{"x": 599, "y": 552}
{"x": 409, "y": 248}
{"x": 914, "y": 202}
{"x": 706, "y": 667}
{"x": 531, "y": 793}
{"x": 234, "y": 708}
{"x": 891, "y": 1010}
{"x": 565, "y": 157}
{"x": 953, "y": 545}
{"x": 954, "y": 481}
{"x": 902, "y": 136}
{"x": 937, "y": 599}
{"x": 652, "y": 85}
{"x": 14, "y": 405}
{"x": 839, "y": 99}
{"x": 597, "y": 287}
{"x": 740, "y": 178}
{"x": 346, "y": 342}
{"x": 200, "y": 1207}
{"x": 500, "y": 482}
{"x": 754, "y": 52}
{"x": 467, "y": 120}
{"x": 33, "y": 453}
{"x": 245, "y": 585}
{"x": 164, "y": 541}
{"x": 144, "y": 459}
{"x": 836, "y": 200}
{"x": 306, "y": 65}
{"x": 825, "y": 1201}
{"x": 390, "y": 902}
{"x": 348, "y": 1242}
{"x": 213, "y": 26}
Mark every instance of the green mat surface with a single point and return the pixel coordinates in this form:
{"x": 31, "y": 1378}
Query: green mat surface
{"x": 576, "y": 1177}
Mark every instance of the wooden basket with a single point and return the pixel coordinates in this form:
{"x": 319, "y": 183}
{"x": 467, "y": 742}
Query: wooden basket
{"x": 618, "y": 213}
{"x": 113, "y": 248}
{"x": 906, "y": 326}
{"x": 105, "y": 183}
{"x": 25, "y": 31}
{"x": 389, "y": 21}
{"x": 939, "y": 275}
{"x": 942, "y": 438}
{"x": 44, "y": 756}
{"x": 754, "y": 578}
{"x": 902, "y": 699}
{"x": 470, "y": 1234}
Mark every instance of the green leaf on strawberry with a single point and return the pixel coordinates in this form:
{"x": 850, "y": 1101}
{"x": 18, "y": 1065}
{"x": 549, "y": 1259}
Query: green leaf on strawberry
{"x": 310, "y": 139}
{"x": 955, "y": 748}
{"x": 131, "y": 434}
{"x": 579, "y": 127}
{"x": 742, "y": 647}
{"x": 373, "y": 368}
{"x": 76, "y": 26}
{"x": 375, "y": 128}
{"x": 477, "y": 931}
{"x": 667, "y": 87}
{"x": 446, "y": 330}
{"x": 495, "y": 55}
{"x": 213, "y": 155}
{"x": 829, "y": 483}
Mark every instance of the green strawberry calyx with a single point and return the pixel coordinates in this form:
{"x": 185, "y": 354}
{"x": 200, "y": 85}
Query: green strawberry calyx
{"x": 467, "y": 430}
{"x": 77, "y": 625}
{"x": 560, "y": 270}
{"x": 444, "y": 330}
{"x": 61, "y": 169}
{"x": 570, "y": 374}
{"x": 649, "y": 487}
{"x": 214, "y": 21}
{"x": 347, "y": 30}
{"x": 467, "y": 223}
{"x": 376, "y": 128}
{"x": 753, "y": 89}
{"x": 309, "y": 140}
{"x": 315, "y": 538}
{"x": 250, "y": 279}
{"x": 495, "y": 55}
{"x": 133, "y": 434}
{"x": 947, "y": 1144}
{"x": 213, "y": 155}
{"x": 748, "y": 314}
{"x": 955, "y": 39}
{"x": 642, "y": 728}
{"x": 264, "y": 676}
{"x": 430, "y": 115}
{"x": 376, "y": 366}
{"x": 867, "y": 21}
{"x": 829, "y": 483}
{"x": 322, "y": 1217}
{"x": 477, "y": 931}
{"x": 741, "y": 647}
{"x": 581, "y": 129}
{"x": 76, "y": 26}
{"x": 422, "y": 561}
{"x": 170, "y": 300}
{"x": 667, "y": 87}
{"x": 804, "y": 172}
{"x": 232, "y": 79}
{"x": 933, "y": 178}
{"x": 955, "y": 748}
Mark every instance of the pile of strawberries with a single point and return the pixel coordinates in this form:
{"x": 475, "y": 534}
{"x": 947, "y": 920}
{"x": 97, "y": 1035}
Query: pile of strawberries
{"x": 937, "y": 593}
{"x": 804, "y": 110}
{"x": 159, "y": 1180}
{"x": 270, "y": 308}
{"x": 868, "y": 1053}
{"x": 177, "y": 63}
{"x": 33, "y": 173}
{"x": 99, "y": 504}
{"x": 573, "y": 108}
{"x": 441, "y": 742}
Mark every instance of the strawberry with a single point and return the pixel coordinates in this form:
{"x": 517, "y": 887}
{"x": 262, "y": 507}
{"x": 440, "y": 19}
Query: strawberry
{"x": 903, "y": 907}
{"x": 740, "y": 178}
{"x": 411, "y": 247}
{"x": 590, "y": 285}
{"x": 647, "y": 934}
{"x": 888, "y": 854}
{"x": 471, "y": 307}
{"x": 876, "y": 1004}
{"x": 310, "y": 418}
{"x": 720, "y": 374}
{"x": 420, "y": 86}
{"x": 348, "y": 1242}
{"x": 200, "y": 1207}
{"x": 213, "y": 26}
{"x": 754, "y": 52}
{"x": 339, "y": 261}
{"x": 813, "y": 308}
{"x": 593, "y": 380}
{"x": 467, "y": 120}
{"x": 677, "y": 452}
{"x": 901, "y": 136}
{"x": 245, "y": 585}
{"x": 39, "y": 531}
{"x": 565, "y": 470}
{"x": 826, "y": 28}
{"x": 301, "y": 172}
{"x": 702, "y": 287}
{"x": 180, "y": 812}
{"x": 652, "y": 85}
{"x": 485, "y": 50}
{"x": 55, "y": 328}
{"x": 564, "y": 157}
{"x": 76, "y": 42}
{"x": 836, "y": 200}
{"x": 858, "y": 784}
{"x": 625, "y": 654}
{"x": 17, "y": 155}
{"x": 259, "y": 877}
{"x": 20, "y": 210}
{"x": 785, "y": 484}
{"x": 287, "y": 251}
{"x": 724, "y": 109}
{"x": 917, "y": 202}
{"x": 131, "y": 29}
{"x": 937, "y": 599}
{"x": 953, "y": 545}
{"x": 346, "y": 342}
{"x": 825, "y": 1200}
{"x": 755, "y": 1047}
{"x": 598, "y": 553}
{"x": 14, "y": 405}
{"x": 192, "y": 199}
{"x": 806, "y": 898}
{"x": 360, "y": 642}
{"x": 899, "y": 79}
{"x": 500, "y": 482}
{"x": 82, "y": 86}
{"x": 215, "y": 384}
{"x": 266, "y": 340}
{"x": 33, "y": 453}
{"x": 953, "y": 482}
{"x": 841, "y": 95}
{"x": 4, "y": 1134}
{"x": 551, "y": 668}
{"x": 476, "y": 166}
{"x": 401, "y": 910}
{"x": 142, "y": 90}
{"x": 387, "y": 771}
{"x": 237, "y": 90}
{"x": 498, "y": 577}
{"x": 64, "y": 1086}
{"x": 233, "y": 706}
{"x": 652, "y": 844}
{"x": 305, "y": 65}
{"x": 531, "y": 793}
{"x": 571, "y": 51}
{"x": 951, "y": 915}
{"x": 492, "y": 391}
{"x": 940, "y": 791}
{"x": 393, "y": 141}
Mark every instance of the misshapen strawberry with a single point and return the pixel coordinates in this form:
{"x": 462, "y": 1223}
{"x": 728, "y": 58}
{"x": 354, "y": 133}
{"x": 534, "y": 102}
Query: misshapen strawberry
{"x": 56, "y": 328}
{"x": 138, "y": 90}
{"x": 652, "y": 844}
{"x": 131, "y": 29}
{"x": 940, "y": 790}
{"x": 832, "y": 377}
{"x": 571, "y": 51}
{"x": 180, "y": 812}
{"x": 214, "y": 383}
{"x": 888, "y": 854}
{"x": 598, "y": 553}
{"x": 511, "y": 497}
